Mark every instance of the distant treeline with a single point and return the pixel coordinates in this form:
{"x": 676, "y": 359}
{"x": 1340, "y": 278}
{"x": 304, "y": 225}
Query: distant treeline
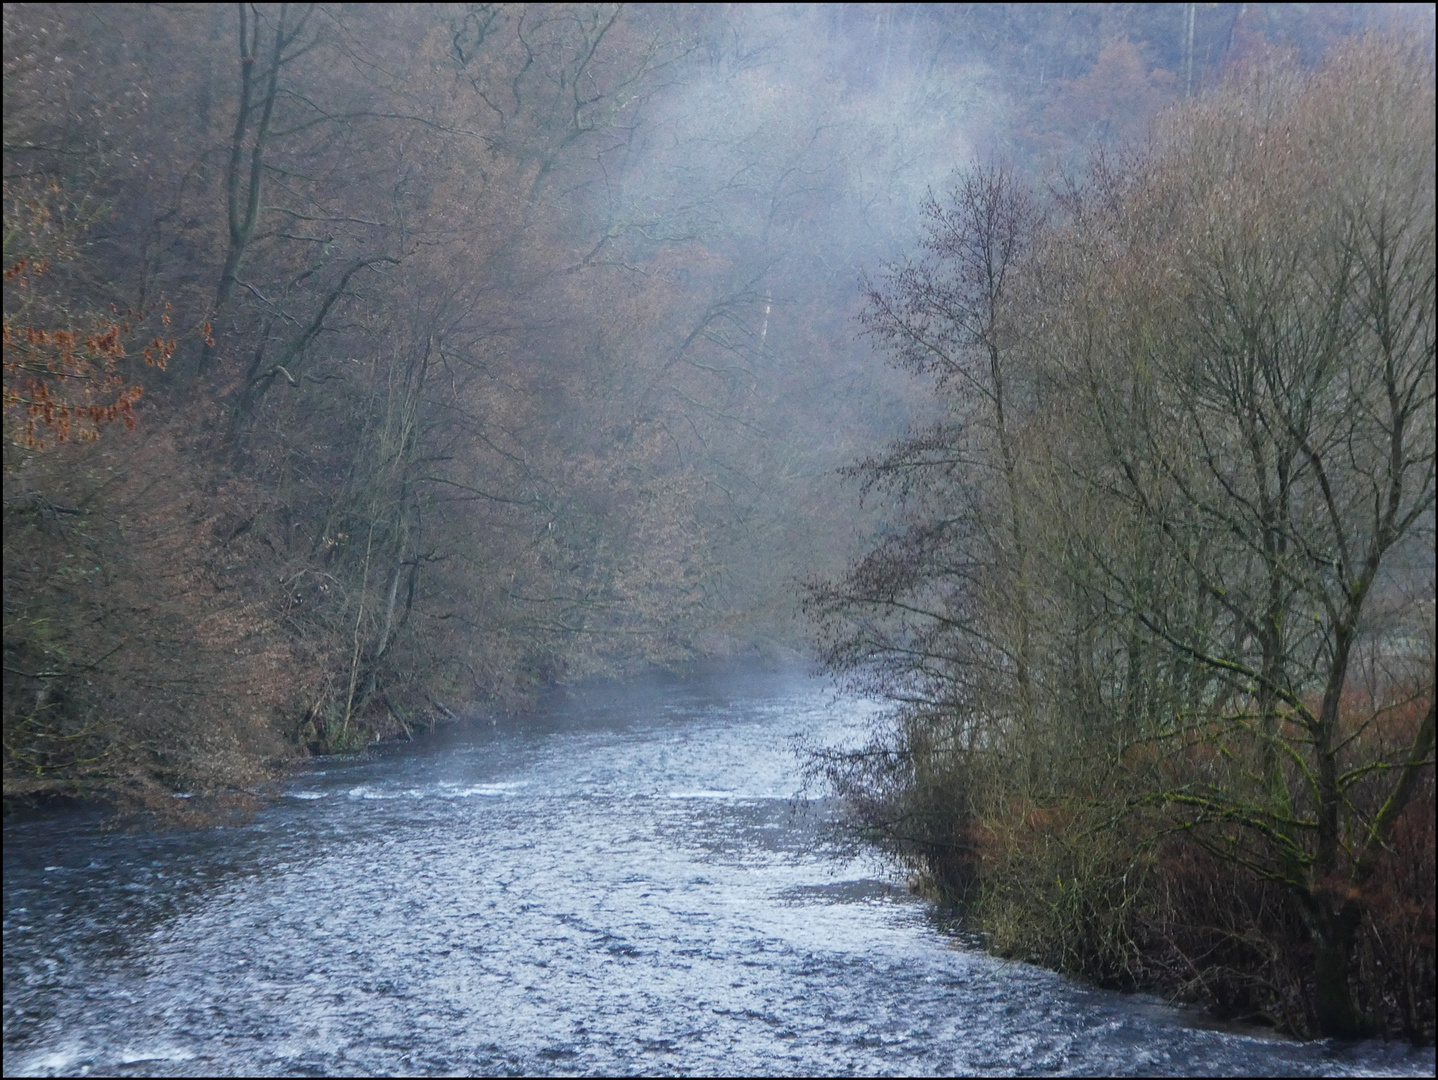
{"x": 1155, "y": 599}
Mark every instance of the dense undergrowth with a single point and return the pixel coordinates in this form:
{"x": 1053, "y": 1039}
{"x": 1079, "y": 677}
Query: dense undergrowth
{"x": 1124, "y": 897}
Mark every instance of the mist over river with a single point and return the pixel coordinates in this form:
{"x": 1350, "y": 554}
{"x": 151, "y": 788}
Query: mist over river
{"x": 629, "y": 882}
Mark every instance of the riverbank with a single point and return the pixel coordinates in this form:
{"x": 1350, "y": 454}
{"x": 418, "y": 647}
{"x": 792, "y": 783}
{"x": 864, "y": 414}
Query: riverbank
{"x": 629, "y": 881}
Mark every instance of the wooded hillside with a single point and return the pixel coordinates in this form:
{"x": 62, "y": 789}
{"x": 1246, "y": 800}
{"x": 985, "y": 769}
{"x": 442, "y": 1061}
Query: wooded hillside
{"x": 369, "y": 364}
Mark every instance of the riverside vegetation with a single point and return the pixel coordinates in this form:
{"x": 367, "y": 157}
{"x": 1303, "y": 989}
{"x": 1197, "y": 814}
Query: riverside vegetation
{"x": 363, "y": 364}
{"x": 1157, "y": 604}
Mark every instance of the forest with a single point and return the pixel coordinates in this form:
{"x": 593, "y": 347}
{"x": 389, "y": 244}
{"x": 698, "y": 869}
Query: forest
{"x": 1062, "y": 375}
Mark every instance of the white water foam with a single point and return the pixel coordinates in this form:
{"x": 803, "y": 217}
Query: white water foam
{"x": 704, "y": 794}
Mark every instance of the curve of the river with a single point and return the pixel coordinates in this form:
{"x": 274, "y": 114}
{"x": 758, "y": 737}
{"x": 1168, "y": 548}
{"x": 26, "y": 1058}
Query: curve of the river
{"x": 625, "y": 884}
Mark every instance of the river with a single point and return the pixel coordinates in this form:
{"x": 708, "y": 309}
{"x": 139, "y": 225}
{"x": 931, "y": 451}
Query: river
{"x": 628, "y": 882}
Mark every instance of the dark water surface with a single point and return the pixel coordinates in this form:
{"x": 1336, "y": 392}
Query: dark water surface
{"x": 624, "y": 885}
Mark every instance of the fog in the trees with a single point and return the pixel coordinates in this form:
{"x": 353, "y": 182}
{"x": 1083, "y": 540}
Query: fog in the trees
{"x": 370, "y": 365}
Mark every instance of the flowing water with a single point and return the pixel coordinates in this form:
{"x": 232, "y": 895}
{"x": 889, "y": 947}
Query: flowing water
{"x": 625, "y": 884}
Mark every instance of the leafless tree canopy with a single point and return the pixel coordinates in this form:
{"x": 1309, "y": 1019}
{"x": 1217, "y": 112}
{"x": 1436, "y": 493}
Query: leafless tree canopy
{"x": 1162, "y": 592}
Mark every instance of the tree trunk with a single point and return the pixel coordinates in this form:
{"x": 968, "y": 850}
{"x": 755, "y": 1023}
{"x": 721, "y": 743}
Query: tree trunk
{"x": 1334, "y": 933}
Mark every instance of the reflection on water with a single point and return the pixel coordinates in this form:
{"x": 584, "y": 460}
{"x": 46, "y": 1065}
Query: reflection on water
{"x": 627, "y": 883}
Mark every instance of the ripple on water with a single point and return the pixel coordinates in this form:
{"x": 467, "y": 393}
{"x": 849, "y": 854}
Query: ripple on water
{"x": 627, "y": 886}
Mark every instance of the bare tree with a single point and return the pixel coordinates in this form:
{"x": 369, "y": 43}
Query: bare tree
{"x": 1191, "y": 422}
{"x": 1257, "y": 356}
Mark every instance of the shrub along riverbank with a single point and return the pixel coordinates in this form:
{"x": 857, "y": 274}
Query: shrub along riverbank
{"x": 1156, "y": 601}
